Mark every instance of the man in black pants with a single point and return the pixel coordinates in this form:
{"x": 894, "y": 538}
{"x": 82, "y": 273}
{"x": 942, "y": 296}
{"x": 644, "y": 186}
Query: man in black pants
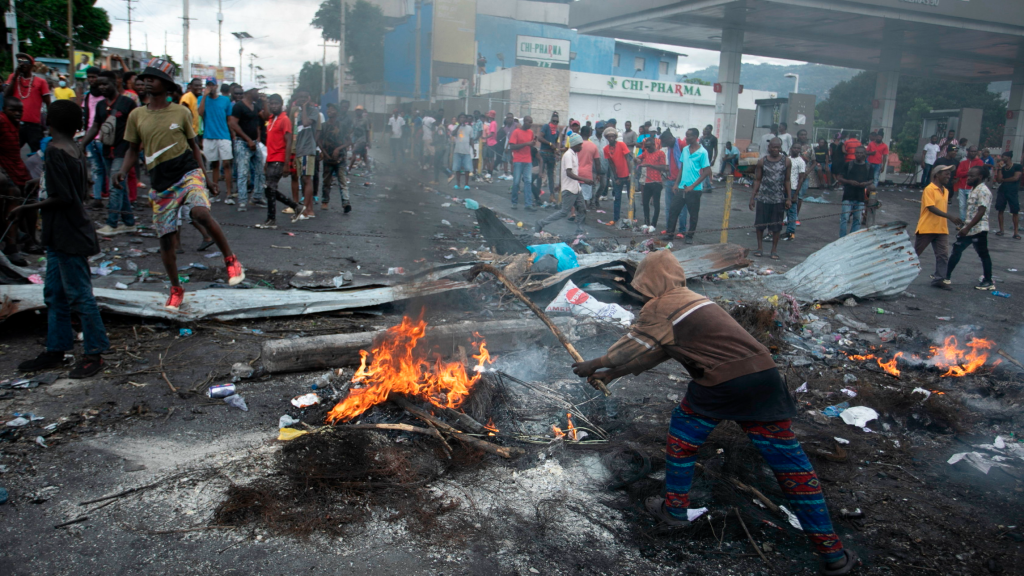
{"x": 975, "y": 231}
{"x": 279, "y": 149}
{"x": 694, "y": 169}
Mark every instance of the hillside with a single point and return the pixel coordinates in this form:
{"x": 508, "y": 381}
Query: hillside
{"x": 815, "y": 79}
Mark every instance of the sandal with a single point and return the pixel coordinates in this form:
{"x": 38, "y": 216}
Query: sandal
{"x": 851, "y": 561}
{"x": 655, "y": 506}
{"x": 1000, "y": 233}
{"x": 1016, "y": 236}
{"x": 758, "y": 253}
{"x": 774, "y": 256}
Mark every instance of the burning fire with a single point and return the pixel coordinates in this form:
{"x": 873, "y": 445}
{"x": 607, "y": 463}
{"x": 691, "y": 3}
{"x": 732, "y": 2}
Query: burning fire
{"x": 396, "y": 369}
{"x": 490, "y": 427}
{"x": 957, "y": 361}
{"x": 557, "y": 432}
{"x": 570, "y": 430}
{"x": 960, "y": 362}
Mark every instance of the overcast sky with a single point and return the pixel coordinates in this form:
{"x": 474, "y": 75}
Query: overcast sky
{"x": 283, "y": 38}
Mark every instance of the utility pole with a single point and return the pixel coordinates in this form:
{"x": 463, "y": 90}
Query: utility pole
{"x": 71, "y": 45}
{"x": 341, "y": 51}
{"x": 186, "y": 72}
{"x": 131, "y": 51}
{"x": 416, "y": 82}
{"x": 220, "y": 25}
{"x": 12, "y": 27}
{"x": 323, "y": 73}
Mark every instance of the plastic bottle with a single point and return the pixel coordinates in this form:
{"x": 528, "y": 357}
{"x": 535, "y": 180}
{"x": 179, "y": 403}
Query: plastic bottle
{"x": 882, "y": 311}
{"x": 1000, "y": 294}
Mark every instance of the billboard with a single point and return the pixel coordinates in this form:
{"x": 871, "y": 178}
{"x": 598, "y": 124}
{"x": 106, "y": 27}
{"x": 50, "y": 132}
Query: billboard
{"x": 221, "y": 73}
{"x": 82, "y": 61}
{"x": 454, "y": 38}
{"x": 542, "y": 52}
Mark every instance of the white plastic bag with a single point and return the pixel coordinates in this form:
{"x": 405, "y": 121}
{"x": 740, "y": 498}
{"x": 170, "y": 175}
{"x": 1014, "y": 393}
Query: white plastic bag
{"x": 573, "y": 300}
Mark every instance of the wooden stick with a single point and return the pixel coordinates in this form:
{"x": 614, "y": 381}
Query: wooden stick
{"x": 749, "y": 537}
{"x": 743, "y": 487}
{"x": 503, "y": 451}
{"x": 1010, "y": 358}
{"x": 476, "y": 270}
{"x": 70, "y": 522}
{"x": 404, "y": 428}
{"x": 173, "y": 389}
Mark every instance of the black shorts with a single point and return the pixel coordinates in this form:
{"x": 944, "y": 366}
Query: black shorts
{"x": 1008, "y": 198}
{"x": 769, "y": 216}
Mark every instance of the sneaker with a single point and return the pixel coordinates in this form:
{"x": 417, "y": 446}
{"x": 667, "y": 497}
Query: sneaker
{"x": 466, "y": 187}
{"x": 268, "y": 225}
{"x": 515, "y": 206}
{"x": 86, "y": 367}
{"x": 241, "y": 207}
{"x": 797, "y": 222}
{"x": 261, "y": 202}
{"x": 206, "y": 244}
{"x": 229, "y": 200}
{"x": 299, "y": 218}
{"x": 789, "y": 236}
{"x": 456, "y": 187}
{"x": 288, "y": 211}
{"x": 985, "y": 285}
{"x": 44, "y": 361}
{"x": 176, "y": 298}
{"x": 531, "y": 208}
{"x": 348, "y": 208}
{"x": 235, "y": 272}
{"x": 106, "y": 230}
{"x": 943, "y": 284}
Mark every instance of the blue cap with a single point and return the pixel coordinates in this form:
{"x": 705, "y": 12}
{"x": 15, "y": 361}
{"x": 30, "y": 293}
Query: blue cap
{"x": 600, "y": 124}
{"x": 211, "y": 81}
{"x": 612, "y": 121}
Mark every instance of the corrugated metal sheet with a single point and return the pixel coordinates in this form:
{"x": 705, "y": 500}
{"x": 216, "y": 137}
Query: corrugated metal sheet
{"x": 872, "y": 263}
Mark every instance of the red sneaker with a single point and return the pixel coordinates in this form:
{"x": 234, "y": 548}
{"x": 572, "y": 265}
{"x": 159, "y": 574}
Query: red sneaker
{"x": 235, "y": 272}
{"x": 177, "y": 296}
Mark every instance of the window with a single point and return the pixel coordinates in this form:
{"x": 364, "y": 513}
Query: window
{"x": 639, "y": 63}
{"x": 615, "y": 60}
{"x": 663, "y": 68}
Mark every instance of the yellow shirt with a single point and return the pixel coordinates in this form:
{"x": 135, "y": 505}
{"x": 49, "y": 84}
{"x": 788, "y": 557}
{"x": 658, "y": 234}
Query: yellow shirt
{"x": 63, "y": 93}
{"x": 189, "y": 100}
{"x": 927, "y": 222}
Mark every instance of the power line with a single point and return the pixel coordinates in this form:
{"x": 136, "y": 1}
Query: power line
{"x": 61, "y": 34}
{"x": 131, "y": 50}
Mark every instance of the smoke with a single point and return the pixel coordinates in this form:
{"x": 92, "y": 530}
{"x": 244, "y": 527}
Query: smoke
{"x": 529, "y": 365}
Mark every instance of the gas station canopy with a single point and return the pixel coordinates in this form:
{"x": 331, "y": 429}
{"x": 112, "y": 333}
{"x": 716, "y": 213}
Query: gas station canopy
{"x": 962, "y": 40}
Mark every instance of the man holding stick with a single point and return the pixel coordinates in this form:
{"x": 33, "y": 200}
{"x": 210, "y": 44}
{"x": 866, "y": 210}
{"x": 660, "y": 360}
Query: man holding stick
{"x": 734, "y": 378}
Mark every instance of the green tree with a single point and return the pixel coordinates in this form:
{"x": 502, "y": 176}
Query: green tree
{"x": 849, "y": 105}
{"x": 364, "y": 36}
{"x": 44, "y": 24}
{"x": 309, "y": 78}
{"x": 908, "y": 138}
{"x": 696, "y": 81}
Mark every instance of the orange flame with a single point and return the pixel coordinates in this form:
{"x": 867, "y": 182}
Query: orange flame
{"x": 571, "y": 428}
{"x": 396, "y": 369}
{"x": 890, "y": 366}
{"x": 959, "y": 361}
{"x": 490, "y": 427}
{"x": 557, "y": 432}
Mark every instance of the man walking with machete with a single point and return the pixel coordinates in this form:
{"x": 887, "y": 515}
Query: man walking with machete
{"x": 734, "y": 378}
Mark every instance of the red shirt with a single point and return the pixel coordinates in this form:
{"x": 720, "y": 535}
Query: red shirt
{"x": 877, "y": 152}
{"x": 657, "y": 158}
{"x": 587, "y": 155}
{"x": 618, "y": 158}
{"x": 850, "y": 147}
{"x": 10, "y": 152}
{"x": 520, "y": 136}
{"x": 278, "y": 129}
{"x": 962, "y": 170}
{"x": 30, "y": 91}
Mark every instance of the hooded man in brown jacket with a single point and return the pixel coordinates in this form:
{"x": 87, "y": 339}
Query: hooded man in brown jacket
{"x": 734, "y": 378}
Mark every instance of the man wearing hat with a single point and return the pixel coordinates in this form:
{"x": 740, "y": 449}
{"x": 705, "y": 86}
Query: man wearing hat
{"x": 33, "y": 93}
{"x": 933, "y": 223}
{"x": 177, "y": 180}
{"x": 571, "y": 180}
